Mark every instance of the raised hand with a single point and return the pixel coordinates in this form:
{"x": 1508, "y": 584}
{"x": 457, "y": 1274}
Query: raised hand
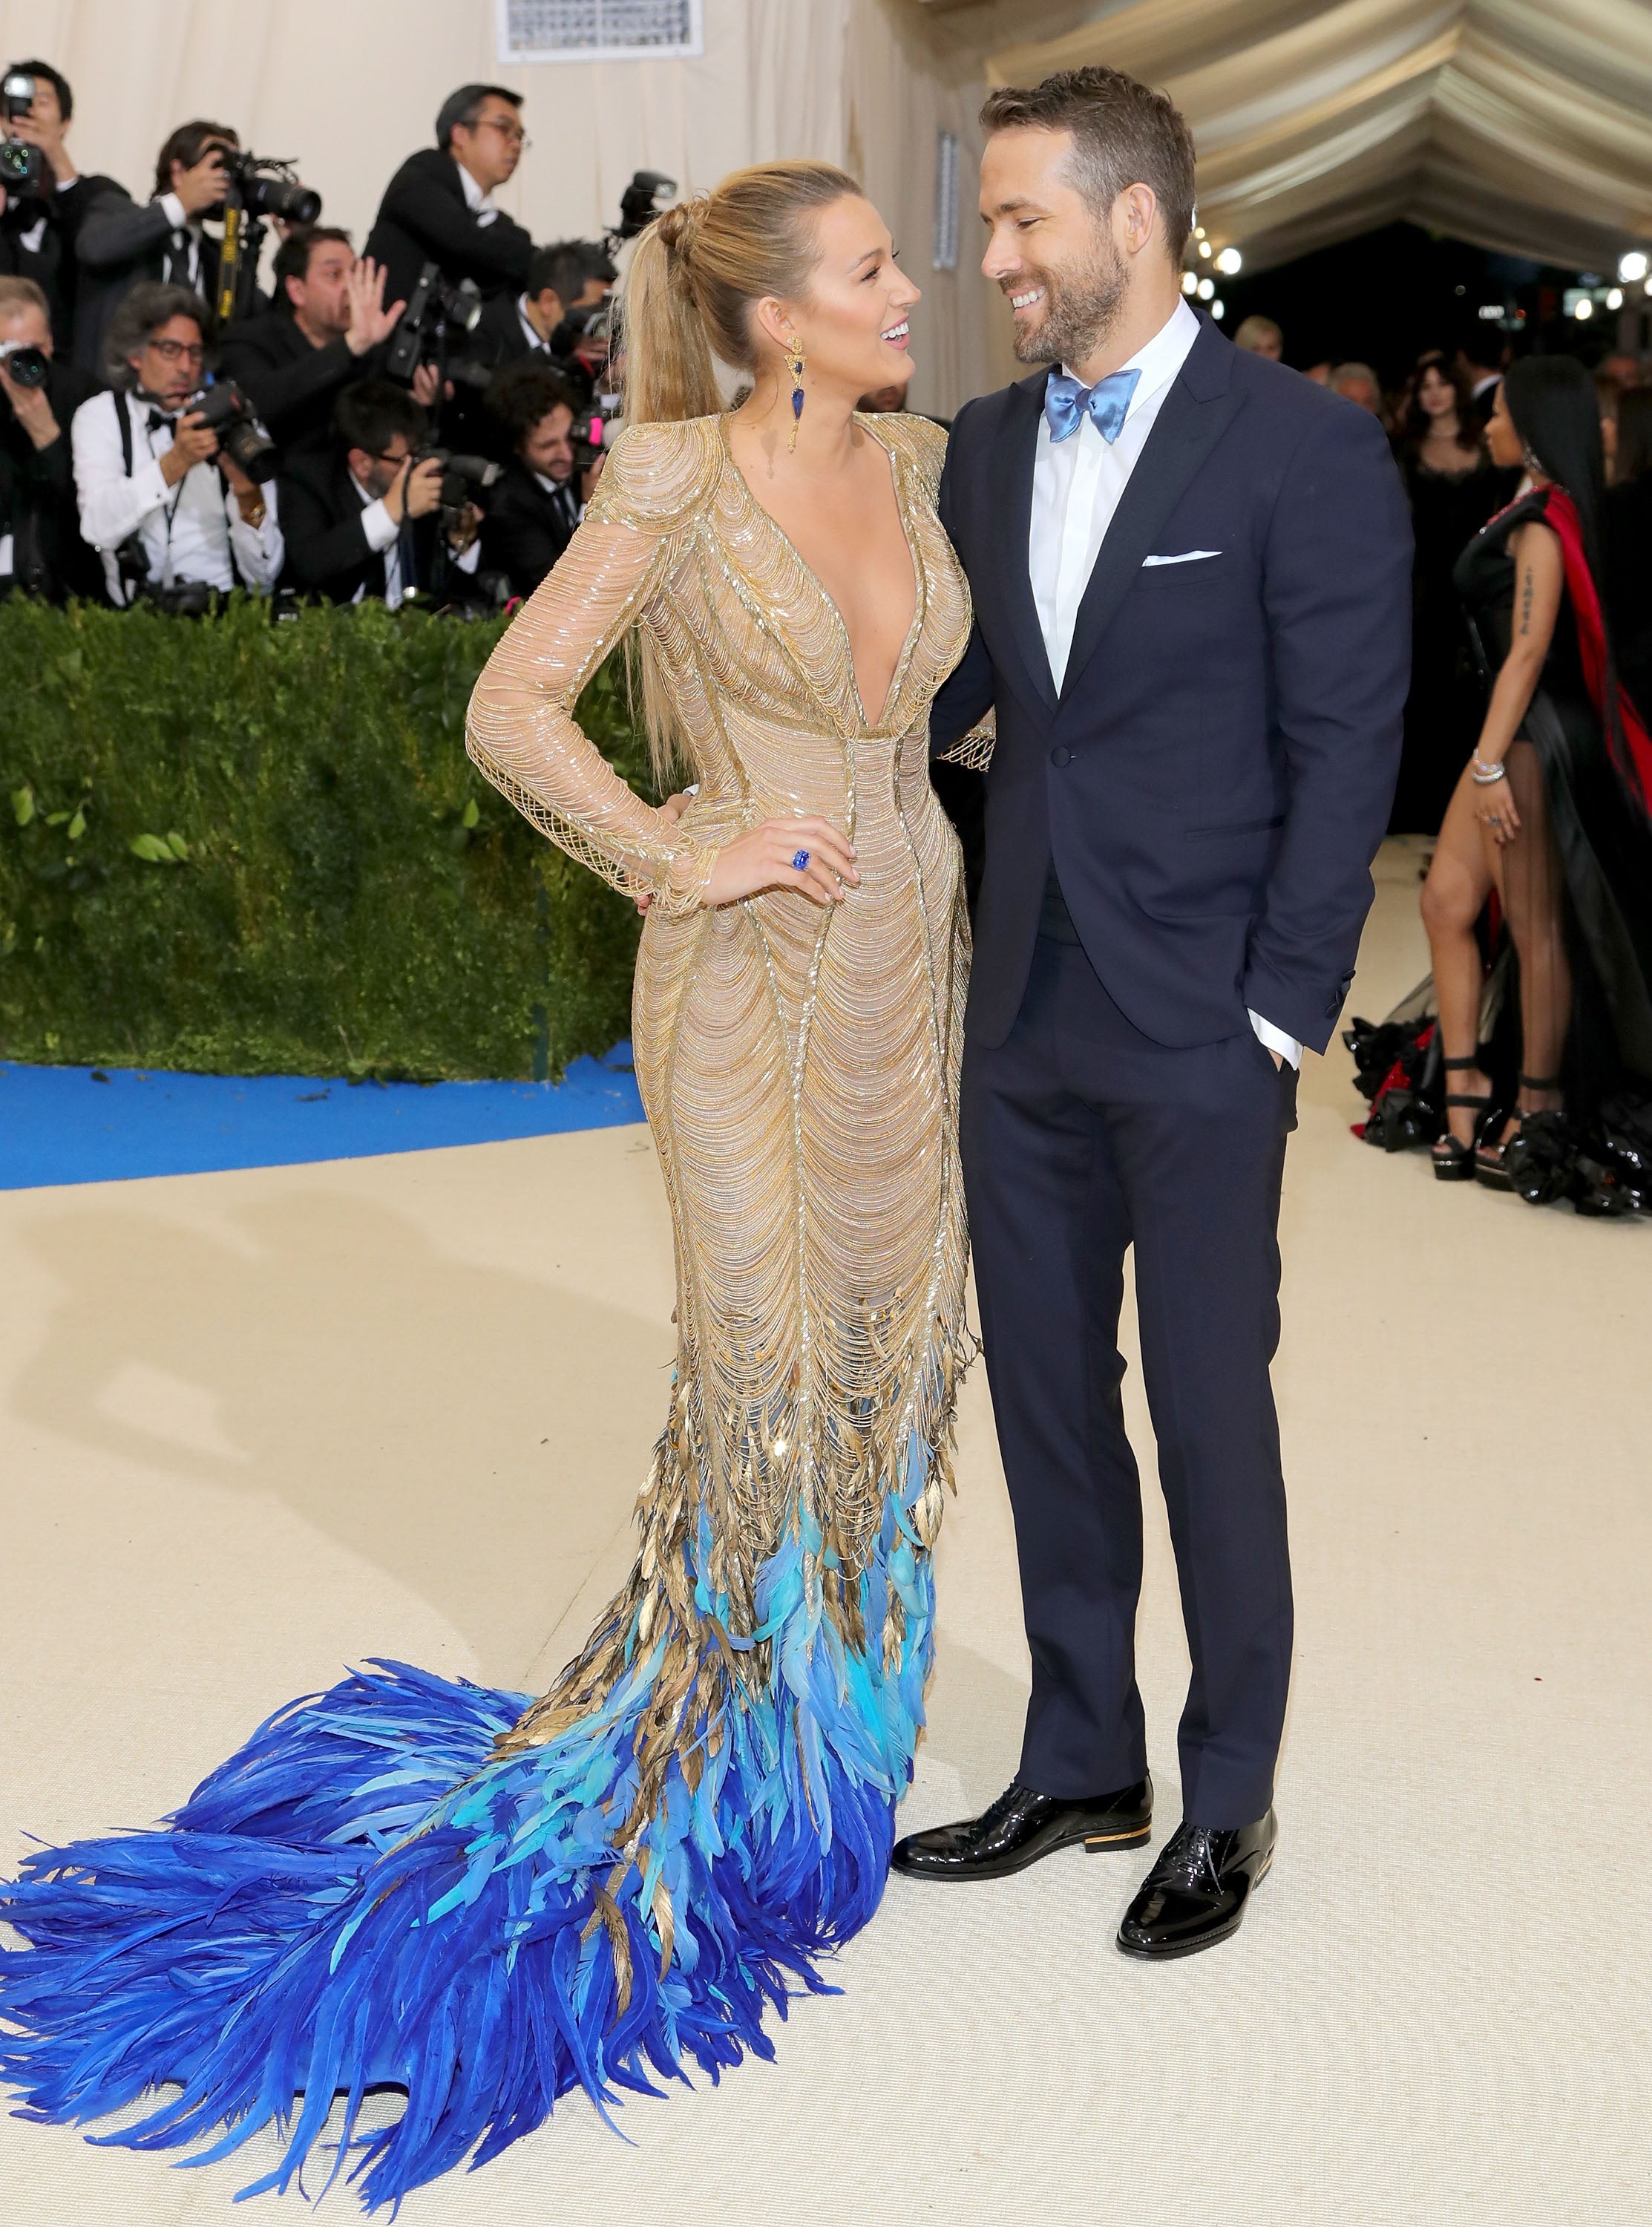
{"x": 764, "y": 860}
{"x": 370, "y": 322}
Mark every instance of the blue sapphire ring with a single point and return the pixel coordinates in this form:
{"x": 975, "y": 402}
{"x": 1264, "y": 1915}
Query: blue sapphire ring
{"x": 800, "y": 859}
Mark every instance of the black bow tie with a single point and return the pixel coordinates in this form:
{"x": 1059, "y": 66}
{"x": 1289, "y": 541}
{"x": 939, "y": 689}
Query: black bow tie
{"x": 157, "y": 420}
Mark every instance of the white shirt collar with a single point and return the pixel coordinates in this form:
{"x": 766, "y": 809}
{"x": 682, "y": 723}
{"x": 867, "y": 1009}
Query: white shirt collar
{"x": 475, "y": 199}
{"x": 1159, "y": 359}
{"x": 526, "y": 322}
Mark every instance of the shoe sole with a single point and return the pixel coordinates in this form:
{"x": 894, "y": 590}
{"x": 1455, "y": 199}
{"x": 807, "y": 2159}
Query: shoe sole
{"x": 1205, "y": 1940}
{"x": 1093, "y": 1844}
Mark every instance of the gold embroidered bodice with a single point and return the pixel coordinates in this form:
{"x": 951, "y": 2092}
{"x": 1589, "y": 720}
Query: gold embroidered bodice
{"x": 798, "y": 1066}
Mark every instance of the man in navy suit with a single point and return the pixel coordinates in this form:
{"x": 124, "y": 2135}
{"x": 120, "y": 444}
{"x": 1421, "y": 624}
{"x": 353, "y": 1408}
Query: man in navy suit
{"x": 1191, "y": 576}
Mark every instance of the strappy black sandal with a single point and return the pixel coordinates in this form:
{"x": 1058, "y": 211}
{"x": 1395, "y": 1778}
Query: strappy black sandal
{"x": 1492, "y": 1161}
{"x": 1455, "y": 1163}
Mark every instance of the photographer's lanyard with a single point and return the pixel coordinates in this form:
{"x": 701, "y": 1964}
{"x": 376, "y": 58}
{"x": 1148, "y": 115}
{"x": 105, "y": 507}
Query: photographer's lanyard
{"x": 169, "y": 510}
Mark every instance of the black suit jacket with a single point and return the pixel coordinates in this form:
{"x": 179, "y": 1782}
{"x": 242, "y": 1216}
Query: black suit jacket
{"x": 37, "y": 500}
{"x": 293, "y": 384}
{"x": 525, "y": 529}
{"x": 121, "y": 242}
{"x": 1213, "y": 778}
{"x": 425, "y": 217}
{"x": 328, "y": 554}
{"x": 51, "y": 262}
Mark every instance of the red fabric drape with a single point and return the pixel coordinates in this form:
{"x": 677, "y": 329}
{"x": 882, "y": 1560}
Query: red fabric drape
{"x": 1627, "y": 739}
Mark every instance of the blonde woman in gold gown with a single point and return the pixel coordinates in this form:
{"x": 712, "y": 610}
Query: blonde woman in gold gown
{"x": 484, "y": 1899}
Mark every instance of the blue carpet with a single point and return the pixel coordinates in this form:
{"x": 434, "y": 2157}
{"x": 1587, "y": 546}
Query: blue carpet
{"x": 70, "y": 1125}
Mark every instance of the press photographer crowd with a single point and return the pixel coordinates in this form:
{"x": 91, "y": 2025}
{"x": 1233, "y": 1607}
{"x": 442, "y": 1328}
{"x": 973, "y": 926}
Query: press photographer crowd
{"x": 424, "y": 418}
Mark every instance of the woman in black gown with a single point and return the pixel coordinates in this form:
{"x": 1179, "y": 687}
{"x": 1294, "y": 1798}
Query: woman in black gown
{"x": 1551, "y": 814}
{"x": 1454, "y": 487}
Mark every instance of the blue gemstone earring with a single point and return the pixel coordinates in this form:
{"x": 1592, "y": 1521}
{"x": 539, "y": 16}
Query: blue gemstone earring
{"x": 794, "y": 365}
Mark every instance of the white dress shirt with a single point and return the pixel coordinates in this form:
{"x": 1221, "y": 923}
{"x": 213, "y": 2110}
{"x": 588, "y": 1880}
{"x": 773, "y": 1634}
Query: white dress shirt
{"x": 481, "y": 206}
{"x": 1077, "y": 486}
{"x": 530, "y": 330}
{"x": 194, "y": 531}
{"x": 186, "y": 234}
{"x": 384, "y": 538}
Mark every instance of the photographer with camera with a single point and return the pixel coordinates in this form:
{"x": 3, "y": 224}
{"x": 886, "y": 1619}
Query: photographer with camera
{"x": 43, "y": 199}
{"x": 534, "y": 511}
{"x": 121, "y": 245}
{"x": 574, "y": 274}
{"x": 173, "y": 480}
{"x": 328, "y": 328}
{"x": 40, "y": 550}
{"x": 438, "y": 207}
{"x": 378, "y": 515}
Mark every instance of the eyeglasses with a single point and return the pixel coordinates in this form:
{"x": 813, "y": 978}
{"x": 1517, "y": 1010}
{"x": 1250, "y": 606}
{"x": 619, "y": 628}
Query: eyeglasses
{"x": 178, "y": 351}
{"x": 511, "y": 134}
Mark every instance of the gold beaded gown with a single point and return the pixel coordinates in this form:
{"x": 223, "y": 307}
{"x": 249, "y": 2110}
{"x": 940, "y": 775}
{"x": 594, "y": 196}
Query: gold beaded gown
{"x": 483, "y": 1898}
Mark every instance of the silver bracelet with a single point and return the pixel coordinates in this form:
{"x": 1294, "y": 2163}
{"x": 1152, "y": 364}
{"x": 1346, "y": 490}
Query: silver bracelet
{"x": 1483, "y": 775}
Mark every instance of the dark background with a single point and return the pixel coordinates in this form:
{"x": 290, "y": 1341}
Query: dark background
{"x": 1383, "y": 298}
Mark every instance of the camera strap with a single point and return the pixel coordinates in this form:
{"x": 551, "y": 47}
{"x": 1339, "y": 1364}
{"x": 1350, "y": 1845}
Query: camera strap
{"x": 169, "y": 510}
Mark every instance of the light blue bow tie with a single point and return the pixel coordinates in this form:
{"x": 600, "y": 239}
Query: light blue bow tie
{"x": 1065, "y": 402}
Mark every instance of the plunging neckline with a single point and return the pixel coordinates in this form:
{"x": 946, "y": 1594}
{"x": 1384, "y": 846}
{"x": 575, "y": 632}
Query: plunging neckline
{"x": 891, "y": 694}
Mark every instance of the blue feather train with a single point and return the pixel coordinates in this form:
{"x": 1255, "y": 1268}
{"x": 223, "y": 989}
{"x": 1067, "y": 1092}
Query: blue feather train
{"x": 379, "y": 1889}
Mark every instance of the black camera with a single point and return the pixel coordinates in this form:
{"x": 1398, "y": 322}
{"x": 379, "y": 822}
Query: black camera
{"x": 266, "y": 186}
{"x": 22, "y": 168}
{"x": 640, "y": 202}
{"x": 224, "y": 407}
{"x": 462, "y": 480}
{"x": 25, "y": 366}
{"x": 437, "y": 309}
{"x": 184, "y": 599}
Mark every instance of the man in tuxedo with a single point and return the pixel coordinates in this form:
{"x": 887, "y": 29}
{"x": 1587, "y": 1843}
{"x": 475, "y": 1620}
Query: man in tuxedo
{"x": 439, "y": 206}
{"x": 362, "y": 519}
{"x": 120, "y": 244}
{"x": 565, "y": 277}
{"x": 328, "y": 325}
{"x": 1191, "y": 573}
{"x": 534, "y": 507}
{"x": 40, "y": 550}
{"x": 39, "y": 227}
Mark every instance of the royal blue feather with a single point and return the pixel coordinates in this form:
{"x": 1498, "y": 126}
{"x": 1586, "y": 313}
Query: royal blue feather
{"x": 368, "y": 1895}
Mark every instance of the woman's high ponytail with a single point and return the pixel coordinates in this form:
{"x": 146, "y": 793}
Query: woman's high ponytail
{"x": 669, "y": 372}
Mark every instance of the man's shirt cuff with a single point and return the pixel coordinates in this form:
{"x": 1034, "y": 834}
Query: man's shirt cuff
{"x": 379, "y": 526}
{"x": 1274, "y": 1039}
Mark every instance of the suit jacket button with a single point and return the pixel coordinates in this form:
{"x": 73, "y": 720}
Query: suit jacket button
{"x": 1060, "y": 754}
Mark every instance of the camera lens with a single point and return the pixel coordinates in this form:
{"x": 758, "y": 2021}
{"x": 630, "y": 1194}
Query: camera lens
{"x": 26, "y": 366}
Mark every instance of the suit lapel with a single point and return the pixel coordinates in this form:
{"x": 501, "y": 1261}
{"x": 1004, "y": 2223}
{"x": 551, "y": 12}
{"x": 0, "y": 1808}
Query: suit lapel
{"x": 1192, "y": 419}
{"x": 1013, "y": 458}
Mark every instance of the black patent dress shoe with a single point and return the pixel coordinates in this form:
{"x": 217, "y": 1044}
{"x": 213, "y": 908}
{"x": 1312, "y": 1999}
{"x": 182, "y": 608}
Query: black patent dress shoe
{"x": 1196, "y": 1892}
{"x": 1021, "y": 1826}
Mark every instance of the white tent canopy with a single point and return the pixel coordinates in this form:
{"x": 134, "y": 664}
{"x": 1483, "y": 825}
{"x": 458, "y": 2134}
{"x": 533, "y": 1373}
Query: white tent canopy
{"x": 1524, "y": 125}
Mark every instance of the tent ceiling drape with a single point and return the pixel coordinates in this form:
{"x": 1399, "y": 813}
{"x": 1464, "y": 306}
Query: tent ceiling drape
{"x": 1524, "y": 125}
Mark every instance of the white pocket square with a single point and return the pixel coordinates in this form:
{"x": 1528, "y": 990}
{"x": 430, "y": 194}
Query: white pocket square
{"x": 1187, "y": 556}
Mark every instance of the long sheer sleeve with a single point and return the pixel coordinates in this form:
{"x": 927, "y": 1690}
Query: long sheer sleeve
{"x": 521, "y": 730}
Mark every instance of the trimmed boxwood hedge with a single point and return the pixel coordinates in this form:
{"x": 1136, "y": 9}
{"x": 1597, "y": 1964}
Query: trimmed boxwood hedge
{"x": 247, "y": 848}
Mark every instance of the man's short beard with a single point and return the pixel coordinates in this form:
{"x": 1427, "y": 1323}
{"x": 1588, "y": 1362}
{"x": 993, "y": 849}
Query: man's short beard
{"x": 1080, "y": 308}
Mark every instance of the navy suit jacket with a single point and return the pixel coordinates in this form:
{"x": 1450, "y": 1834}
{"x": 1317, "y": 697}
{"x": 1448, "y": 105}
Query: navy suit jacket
{"x": 1215, "y": 773}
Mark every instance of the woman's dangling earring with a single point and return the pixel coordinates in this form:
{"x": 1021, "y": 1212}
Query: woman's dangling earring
{"x": 1527, "y": 457}
{"x": 794, "y": 365}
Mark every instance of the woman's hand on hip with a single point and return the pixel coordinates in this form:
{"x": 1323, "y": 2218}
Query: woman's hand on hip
{"x": 767, "y": 858}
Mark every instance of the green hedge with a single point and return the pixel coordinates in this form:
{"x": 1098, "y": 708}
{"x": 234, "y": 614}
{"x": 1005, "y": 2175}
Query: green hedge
{"x": 247, "y": 848}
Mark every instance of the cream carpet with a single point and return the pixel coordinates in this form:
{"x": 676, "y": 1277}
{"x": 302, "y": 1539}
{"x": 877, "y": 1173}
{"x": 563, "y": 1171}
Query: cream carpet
{"x": 254, "y": 1426}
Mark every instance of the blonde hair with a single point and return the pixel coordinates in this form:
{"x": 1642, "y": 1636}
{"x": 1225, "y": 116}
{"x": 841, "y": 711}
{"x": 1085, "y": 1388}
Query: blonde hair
{"x": 698, "y": 270}
{"x": 694, "y": 278}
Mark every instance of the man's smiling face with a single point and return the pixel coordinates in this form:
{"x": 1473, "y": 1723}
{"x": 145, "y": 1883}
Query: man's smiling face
{"x": 1048, "y": 251}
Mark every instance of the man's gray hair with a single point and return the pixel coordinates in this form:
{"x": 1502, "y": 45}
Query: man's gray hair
{"x": 151, "y": 305}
